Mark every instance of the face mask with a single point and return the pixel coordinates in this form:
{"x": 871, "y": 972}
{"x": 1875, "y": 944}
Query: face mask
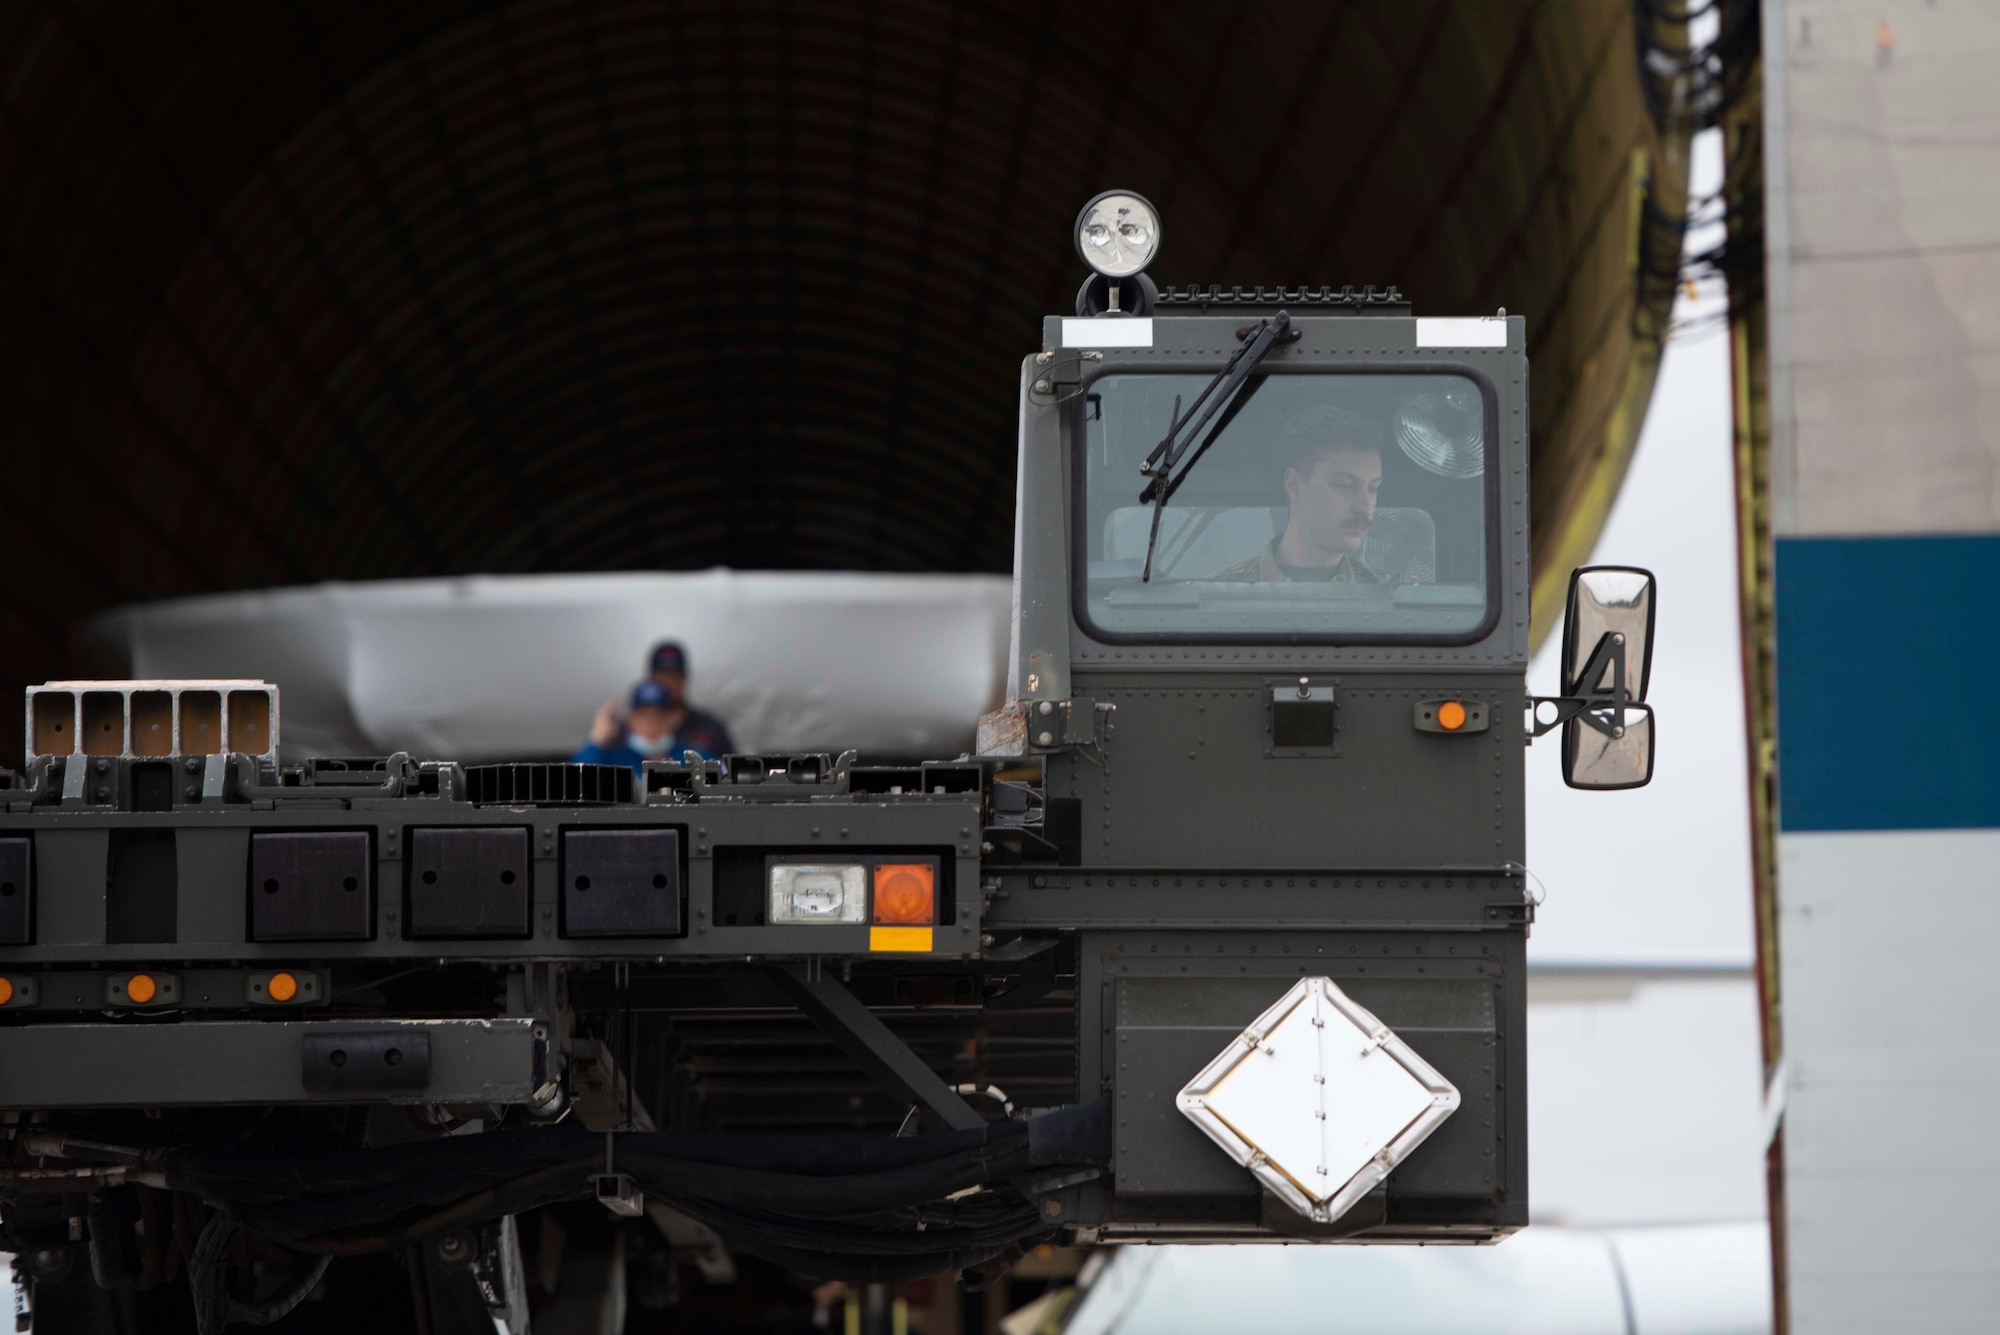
{"x": 648, "y": 746}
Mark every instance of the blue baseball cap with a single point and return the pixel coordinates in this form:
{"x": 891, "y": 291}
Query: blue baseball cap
{"x": 651, "y": 695}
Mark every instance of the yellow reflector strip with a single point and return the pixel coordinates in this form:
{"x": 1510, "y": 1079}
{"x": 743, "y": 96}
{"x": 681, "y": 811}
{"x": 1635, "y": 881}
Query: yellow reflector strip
{"x": 899, "y": 938}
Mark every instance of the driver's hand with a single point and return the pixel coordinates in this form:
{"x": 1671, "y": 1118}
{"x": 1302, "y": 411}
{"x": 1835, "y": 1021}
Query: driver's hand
{"x": 604, "y": 728}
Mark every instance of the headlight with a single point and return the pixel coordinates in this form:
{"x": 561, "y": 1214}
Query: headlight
{"x": 808, "y": 893}
{"x": 1118, "y": 233}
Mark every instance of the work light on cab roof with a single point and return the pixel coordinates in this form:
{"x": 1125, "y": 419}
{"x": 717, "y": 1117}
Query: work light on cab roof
{"x": 1118, "y": 233}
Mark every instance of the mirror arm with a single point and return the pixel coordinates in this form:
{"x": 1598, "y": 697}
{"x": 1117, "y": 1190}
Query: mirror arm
{"x": 1609, "y": 652}
{"x": 1567, "y": 708}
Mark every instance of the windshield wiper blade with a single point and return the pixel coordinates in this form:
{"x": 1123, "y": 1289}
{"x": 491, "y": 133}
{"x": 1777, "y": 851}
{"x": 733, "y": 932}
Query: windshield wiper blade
{"x": 1218, "y": 393}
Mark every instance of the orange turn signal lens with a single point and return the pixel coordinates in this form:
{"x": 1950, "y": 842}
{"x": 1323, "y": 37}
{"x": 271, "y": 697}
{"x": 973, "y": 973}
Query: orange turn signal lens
{"x": 905, "y": 893}
{"x": 1451, "y": 716}
{"x": 141, "y": 988}
{"x": 283, "y": 987}
{"x": 6, "y": 990}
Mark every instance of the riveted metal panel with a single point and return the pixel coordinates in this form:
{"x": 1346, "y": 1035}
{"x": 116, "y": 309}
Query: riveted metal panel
{"x": 1189, "y": 759}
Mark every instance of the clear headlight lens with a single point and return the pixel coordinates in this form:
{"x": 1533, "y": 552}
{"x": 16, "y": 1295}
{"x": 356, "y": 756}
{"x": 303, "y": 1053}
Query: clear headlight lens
{"x": 818, "y": 892}
{"x": 1118, "y": 234}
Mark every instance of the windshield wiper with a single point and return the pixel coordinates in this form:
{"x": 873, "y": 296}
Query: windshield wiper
{"x": 1219, "y": 393}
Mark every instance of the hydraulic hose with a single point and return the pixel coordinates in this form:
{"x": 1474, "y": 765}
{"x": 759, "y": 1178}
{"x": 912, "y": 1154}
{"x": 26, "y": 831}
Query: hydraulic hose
{"x": 107, "y": 1264}
{"x": 214, "y": 1309}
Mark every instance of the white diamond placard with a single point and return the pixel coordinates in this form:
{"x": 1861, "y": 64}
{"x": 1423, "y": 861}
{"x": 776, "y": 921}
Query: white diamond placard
{"x": 1318, "y": 1099}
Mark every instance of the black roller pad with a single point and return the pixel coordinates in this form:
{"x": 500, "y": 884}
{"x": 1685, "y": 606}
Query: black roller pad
{"x": 469, "y": 882}
{"x": 16, "y": 888}
{"x": 621, "y": 883}
{"x": 366, "y": 1062}
{"x": 311, "y": 886}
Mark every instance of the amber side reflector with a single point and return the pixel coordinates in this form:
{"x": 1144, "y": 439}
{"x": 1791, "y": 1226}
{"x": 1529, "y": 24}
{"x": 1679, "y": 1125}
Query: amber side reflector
{"x": 141, "y": 988}
{"x": 6, "y": 990}
{"x": 284, "y": 987}
{"x": 905, "y": 894}
{"x": 1451, "y": 716}
{"x": 907, "y": 939}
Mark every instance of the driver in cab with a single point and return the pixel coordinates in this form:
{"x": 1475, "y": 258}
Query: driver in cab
{"x": 1332, "y": 475}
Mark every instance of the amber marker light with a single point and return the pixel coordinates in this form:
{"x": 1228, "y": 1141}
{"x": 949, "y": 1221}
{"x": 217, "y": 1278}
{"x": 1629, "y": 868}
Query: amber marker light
{"x": 283, "y": 987}
{"x": 6, "y": 990}
{"x": 1451, "y": 716}
{"x": 141, "y": 988}
{"x": 905, "y": 894}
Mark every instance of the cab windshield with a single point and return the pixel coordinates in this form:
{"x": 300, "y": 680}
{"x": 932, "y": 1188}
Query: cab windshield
{"x": 1318, "y": 506}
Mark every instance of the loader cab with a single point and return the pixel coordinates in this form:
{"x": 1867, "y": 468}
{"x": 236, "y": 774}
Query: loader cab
{"x": 1319, "y": 632}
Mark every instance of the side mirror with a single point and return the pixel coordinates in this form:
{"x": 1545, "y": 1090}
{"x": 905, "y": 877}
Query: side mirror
{"x": 1601, "y": 753}
{"x": 1607, "y": 665}
{"x": 1608, "y": 600}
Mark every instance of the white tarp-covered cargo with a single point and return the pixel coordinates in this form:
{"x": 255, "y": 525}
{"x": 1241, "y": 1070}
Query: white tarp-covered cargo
{"x": 494, "y": 667}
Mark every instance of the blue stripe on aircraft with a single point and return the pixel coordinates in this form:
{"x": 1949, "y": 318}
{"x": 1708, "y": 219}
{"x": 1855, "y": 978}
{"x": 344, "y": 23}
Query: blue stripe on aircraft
{"x": 1888, "y": 683}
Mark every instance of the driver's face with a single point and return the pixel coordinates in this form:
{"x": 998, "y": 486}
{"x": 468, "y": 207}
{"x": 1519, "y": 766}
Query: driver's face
{"x": 1334, "y": 503}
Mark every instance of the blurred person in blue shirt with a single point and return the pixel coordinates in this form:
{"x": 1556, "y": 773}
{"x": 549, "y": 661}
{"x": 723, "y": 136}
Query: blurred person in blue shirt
{"x": 694, "y": 729}
{"x": 658, "y": 723}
